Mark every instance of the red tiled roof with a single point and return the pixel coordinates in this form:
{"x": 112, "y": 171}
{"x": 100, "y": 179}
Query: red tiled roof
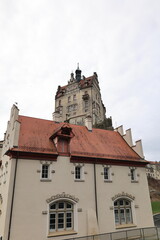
{"x": 103, "y": 144}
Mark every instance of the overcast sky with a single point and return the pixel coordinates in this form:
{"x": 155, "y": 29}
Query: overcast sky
{"x": 41, "y": 42}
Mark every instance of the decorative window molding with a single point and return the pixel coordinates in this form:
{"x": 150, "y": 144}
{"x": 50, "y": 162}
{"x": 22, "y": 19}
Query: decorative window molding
{"x": 123, "y": 195}
{"x": 62, "y": 196}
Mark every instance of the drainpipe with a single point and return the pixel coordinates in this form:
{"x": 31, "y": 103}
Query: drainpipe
{"x": 95, "y": 190}
{"x": 13, "y": 193}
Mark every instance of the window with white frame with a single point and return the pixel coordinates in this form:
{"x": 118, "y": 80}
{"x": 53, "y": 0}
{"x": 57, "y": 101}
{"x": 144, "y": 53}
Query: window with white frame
{"x": 61, "y": 216}
{"x": 106, "y": 173}
{"x": 45, "y": 171}
{"x": 78, "y": 172}
{"x": 133, "y": 174}
{"x": 123, "y": 212}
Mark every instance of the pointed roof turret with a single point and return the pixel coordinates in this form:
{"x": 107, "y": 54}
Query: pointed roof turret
{"x": 78, "y": 73}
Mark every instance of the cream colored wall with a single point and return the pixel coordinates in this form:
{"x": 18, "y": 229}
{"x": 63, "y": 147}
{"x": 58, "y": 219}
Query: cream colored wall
{"x": 31, "y": 195}
{"x": 7, "y": 170}
{"x": 121, "y": 182}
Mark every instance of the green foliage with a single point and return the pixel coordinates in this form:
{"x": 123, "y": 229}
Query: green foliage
{"x": 106, "y": 124}
{"x": 155, "y": 207}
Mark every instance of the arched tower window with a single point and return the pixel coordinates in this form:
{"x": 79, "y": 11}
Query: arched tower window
{"x": 123, "y": 211}
{"x": 61, "y": 216}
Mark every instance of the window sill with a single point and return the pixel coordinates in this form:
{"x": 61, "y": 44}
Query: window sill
{"x": 45, "y": 180}
{"x": 108, "y": 181}
{"x": 56, "y": 234}
{"x": 125, "y": 226}
{"x": 79, "y": 180}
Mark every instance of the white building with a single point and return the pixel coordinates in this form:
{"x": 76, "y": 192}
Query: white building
{"x": 153, "y": 170}
{"x": 59, "y": 180}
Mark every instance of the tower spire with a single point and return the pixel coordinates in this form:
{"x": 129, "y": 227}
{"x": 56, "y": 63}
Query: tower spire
{"x": 78, "y": 73}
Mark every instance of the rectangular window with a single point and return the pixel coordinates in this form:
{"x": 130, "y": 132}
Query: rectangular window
{"x": 106, "y": 173}
{"x": 69, "y": 99}
{"x": 45, "y": 171}
{"x": 74, "y": 97}
{"x": 133, "y": 174}
{"x": 86, "y": 104}
{"x": 77, "y": 172}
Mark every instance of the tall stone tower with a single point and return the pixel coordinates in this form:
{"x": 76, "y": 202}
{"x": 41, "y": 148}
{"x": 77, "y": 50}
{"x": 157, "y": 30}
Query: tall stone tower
{"x": 80, "y": 98}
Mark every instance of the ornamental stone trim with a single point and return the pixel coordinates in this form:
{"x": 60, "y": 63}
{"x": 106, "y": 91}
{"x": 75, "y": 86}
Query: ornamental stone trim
{"x": 62, "y": 195}
{"x": 123, "y": 194}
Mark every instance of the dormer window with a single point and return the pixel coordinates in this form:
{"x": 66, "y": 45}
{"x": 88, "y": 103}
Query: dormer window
{"x": 61, "y": 138}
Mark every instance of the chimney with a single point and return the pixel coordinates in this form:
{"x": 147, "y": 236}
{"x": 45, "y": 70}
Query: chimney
{"x": 88, "y": 122}
{"x": 56, "y": 117}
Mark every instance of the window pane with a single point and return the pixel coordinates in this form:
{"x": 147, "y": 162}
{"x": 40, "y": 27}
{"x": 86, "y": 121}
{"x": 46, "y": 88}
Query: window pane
{"x": 126, "y": 203}
{"x": 116, "y": 216}
{"x": 61, "y": 205}
{"x": 122, "y": 216}
{"x": 53, "y": 206}
{"x": 60, "y": 220}
{"x": 128, "y": 216}
{"x": 69, "y": 206}
{"x": 68, "y": 220}
{"x": 121, "y": 202}
{"x": 52, "y": 221}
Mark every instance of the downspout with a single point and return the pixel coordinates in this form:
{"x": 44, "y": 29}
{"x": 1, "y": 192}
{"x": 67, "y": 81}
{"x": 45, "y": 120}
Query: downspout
{"x": 13, "y": 193}
{"x": 95, "y": 191}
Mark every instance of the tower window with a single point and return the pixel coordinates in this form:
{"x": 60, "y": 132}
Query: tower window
{"x": 86, "y": 104}
{"x": 74, "y": 97}
{"x": 69, "y": 99}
